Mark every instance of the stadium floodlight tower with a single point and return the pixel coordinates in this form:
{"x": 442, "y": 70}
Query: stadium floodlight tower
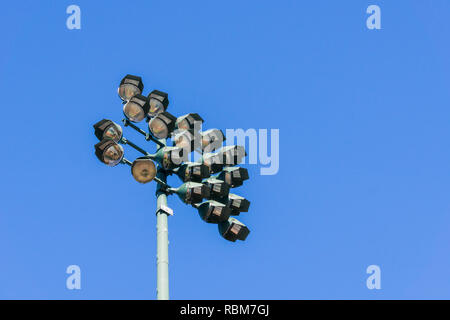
{"x": 209, "y": 194}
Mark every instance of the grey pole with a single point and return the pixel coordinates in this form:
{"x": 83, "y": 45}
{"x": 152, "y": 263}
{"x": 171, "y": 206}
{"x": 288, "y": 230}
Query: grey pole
{"x": 162, "y": 241}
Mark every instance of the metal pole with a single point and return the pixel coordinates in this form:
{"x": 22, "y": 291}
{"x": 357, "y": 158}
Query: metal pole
{"x": 162, "y": 241}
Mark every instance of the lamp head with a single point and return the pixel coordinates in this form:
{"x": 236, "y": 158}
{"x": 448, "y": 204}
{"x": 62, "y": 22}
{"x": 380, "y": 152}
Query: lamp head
{"x": 213, "y": 161}
{"x": 233, "y": 230}
{"x": 129, "y": 87}
{"x": 212, "y": 139}
{"x": 170, "y": 157}
{"x": 192, "y": 192}
{"x": 193, "y": 171}
{"x": 162, "y": 125}
{"x": 136, "y": 108}
{"x": 213, "y": 212}
{"x": 108, "y": 130}
{"x": 232, "y": 155}
{"x": 237, "y": 204}
{"x": 185, "y": 139}
{"x": 158, "y": 102}
{"x": 233, "y": 176}
{"x": 218, "y": 189}
{"x": 143, "y": 170}
{"x": 109, "y": 152}
{"x": 190, "y": 121}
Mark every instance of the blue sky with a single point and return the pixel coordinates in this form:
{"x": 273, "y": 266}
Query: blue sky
{"x": 364, "y": 148}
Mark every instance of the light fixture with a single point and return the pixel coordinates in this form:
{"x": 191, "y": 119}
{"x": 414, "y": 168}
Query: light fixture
{"x": 108, "y": 130}
{"x": 213, "y": 212}
{"x": 129, "y": 87}
{"x": 109, "y": 152}
{"x": 237, "y": 204}
{"x": 232, "y": 155}
{"x": 158, "y": 102}
{"x": 170, "y": 157}
{"x": 189, "y": 121}
{"x": 209, "y": 195}
{"x": 162, "y": 125}
{"x": 191, "y": 192}
{"x": 212, "y": 140}
{"x": 233, "y": 230}
{"x": 143, "y": 170}
{"x": 185, "y": 139}
{"x": 234, "y": 176}
{"x": 193, "y": 171}
{"x": 218, "y": 189}
{"x": 136, "y": 108}
{"x": 213, "y": 161}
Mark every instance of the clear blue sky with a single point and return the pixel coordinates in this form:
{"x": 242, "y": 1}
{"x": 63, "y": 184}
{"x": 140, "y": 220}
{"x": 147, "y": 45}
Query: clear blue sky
{"x": 364, "y": 153}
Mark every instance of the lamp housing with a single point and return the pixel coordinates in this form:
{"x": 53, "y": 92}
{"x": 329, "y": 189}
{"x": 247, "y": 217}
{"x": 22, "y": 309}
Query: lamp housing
{"x": 213, "y": 212}
{"x": 136, "y": 108}
{"x": 185, "y": 139}
{"x": 193, "y": 171}
{"x": 158, "y": 102}
{"x": 233, "y": 176}
{"x": 213, "y": 161}
{"x": 190, "y": 121}
{"x": 130, "y": 86}
{"x": 233, "y": 230}
{"x": 109, "y": 152}
{"x": 212, "y": 140}
{"x": 143, "y": 170}
{"x": 170, "y": 157}
{"x": 218, "y": 189}
{"x": 107, "y": 130}
{"x": 232, "y": 155}
{"x": 162, "y": 125}
{"x": 192, "y": 192}
{"x": 237, "y": 204}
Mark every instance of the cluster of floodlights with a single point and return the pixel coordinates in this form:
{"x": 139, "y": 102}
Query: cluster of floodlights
{"x": 206, "y": 183}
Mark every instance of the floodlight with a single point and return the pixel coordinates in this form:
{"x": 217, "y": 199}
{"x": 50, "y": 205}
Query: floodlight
{"x": 213, "y": 212}
{"x": 170, "y": 157}
{"x": 108, "y": 130}
{"x": 234, "y": 176}
{"x": 136, "y": 108}
{"x": 185, "y": 139}
{"x": 189, "y": 121}
{"x": 218, "y": 189}
{"x": 109, "y": 152}
{"x": 143, "y": 170}
{"x": 212, "y": 139}
{"x": 158, "y": 102}
{"x": 233, "y": 230}
{"x": 191, "y": 192}
{"x": 162, "y": 125}
{"x": 193, "y": 171}
{"x": 210, "y": 195}
{"x": 237, "y": 204}
{"x": 232, "y": 155}
{"x": 213, "y": 161}
{"x": 130, "y": 86}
